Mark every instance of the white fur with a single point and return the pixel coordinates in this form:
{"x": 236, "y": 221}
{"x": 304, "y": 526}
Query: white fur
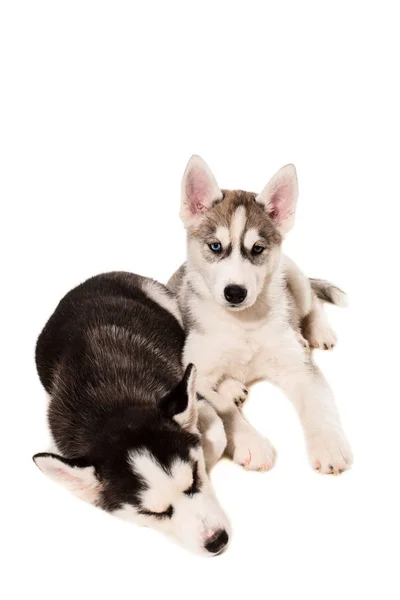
{"x": 238, "y": 224}
{"x": 318, "y": 331}
{"x": 256, "y": 341}
{"x": 162, "y": 488}
{"x": 251, "y": 237}
{"x": 157, "y": 293}
{"x": 339, "y": 298}
{"x": 266, "y": 348}
{"x": 212, "y": 433}
{"x": 195, "y": 518}
{"x": 222, "y": 235}
{"x": 300, "y": 285}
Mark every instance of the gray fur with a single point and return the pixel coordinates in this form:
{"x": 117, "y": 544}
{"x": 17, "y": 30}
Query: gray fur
{"x": 327, "y": 292}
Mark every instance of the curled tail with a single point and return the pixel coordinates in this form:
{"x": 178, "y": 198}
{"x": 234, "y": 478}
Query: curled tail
{"x": 327, "y": 292}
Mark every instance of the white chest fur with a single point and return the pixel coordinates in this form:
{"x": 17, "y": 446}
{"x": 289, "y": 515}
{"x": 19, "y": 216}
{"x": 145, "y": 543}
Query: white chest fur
{"x": 224, "y": 343}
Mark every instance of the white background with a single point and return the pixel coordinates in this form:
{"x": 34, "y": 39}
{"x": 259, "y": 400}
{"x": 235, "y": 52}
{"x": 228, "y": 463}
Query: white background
{"x": 102, "y": 104}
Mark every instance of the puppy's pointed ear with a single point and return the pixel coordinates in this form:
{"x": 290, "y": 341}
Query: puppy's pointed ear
{"x": 78, "y": 477}
{"x": 279, "y": 197}
{"x": 199, "y": 190}
{"x": 181, "y": 403}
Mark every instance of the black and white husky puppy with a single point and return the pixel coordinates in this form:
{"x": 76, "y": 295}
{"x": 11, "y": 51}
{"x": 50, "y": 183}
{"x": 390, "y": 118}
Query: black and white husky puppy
{"x": 125, "y": 424}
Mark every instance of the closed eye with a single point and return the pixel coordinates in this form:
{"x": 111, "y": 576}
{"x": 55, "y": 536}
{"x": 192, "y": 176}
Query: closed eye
{"x": 195, "y": 487}
{"x": 166, "y": 514}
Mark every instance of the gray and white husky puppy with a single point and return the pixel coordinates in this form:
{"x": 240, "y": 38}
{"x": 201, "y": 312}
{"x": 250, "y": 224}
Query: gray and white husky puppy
{"x": 129, "y": 434}
{"x": 243, "y": 303}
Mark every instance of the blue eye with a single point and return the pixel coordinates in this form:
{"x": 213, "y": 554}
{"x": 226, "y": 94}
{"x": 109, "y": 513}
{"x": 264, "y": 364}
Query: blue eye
{"x": 257, "y": 249}
{"x": 215, "y": 247}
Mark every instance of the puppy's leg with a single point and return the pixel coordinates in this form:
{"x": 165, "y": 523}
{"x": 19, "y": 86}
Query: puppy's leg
{"x": 301, "y": 380}
{"x": 244, "y": 444}
{"x": 307, "y": 309}
{"x": 300, "y": 289}
{"x": 212, "y": 432}
{"x": 316, "y": 328}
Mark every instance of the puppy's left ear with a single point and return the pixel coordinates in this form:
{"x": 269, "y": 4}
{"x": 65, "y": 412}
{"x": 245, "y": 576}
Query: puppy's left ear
{"x": 279, "y": 197}
{"x": 181, "y": 403}
{"x": 76, "y": 475}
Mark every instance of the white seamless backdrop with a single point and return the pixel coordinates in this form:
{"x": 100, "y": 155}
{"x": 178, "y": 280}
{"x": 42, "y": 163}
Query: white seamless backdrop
{"x": 102, "y": 104}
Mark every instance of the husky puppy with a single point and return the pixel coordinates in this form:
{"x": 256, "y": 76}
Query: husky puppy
{"x": 125, "y": 424}
{"x": 242, "y": 303}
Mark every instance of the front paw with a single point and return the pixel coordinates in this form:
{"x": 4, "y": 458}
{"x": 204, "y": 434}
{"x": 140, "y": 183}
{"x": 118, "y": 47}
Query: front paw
{"x": 329, "y": 452}
{"x": 234, "y": 390}
{"x": 253, "y": 451}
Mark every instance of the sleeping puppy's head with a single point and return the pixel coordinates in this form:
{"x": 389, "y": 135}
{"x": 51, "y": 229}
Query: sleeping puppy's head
{"x": 151, "y": 472}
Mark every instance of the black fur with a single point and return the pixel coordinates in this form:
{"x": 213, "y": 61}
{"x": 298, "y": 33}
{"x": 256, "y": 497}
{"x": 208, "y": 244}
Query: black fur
{"x": 176, "y": 402}
{"x": 110, "y": 358}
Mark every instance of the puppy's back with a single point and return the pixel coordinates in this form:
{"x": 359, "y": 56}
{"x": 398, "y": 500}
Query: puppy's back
{"x": 110, "y": 328}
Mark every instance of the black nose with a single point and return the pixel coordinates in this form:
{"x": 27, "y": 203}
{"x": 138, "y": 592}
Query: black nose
{"x": 217, "y": 541}
{"x": 235, "y": 294}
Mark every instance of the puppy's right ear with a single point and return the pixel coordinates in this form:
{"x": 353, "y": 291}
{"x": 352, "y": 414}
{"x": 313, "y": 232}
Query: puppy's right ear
{"x": 77, "y": 476}
{"x": 181, "y": 403}
{"x": 199, "y": 191}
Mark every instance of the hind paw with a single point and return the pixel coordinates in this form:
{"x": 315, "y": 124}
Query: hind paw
{"x": 319, "y": 333}
{"x": 322, "y": 337}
